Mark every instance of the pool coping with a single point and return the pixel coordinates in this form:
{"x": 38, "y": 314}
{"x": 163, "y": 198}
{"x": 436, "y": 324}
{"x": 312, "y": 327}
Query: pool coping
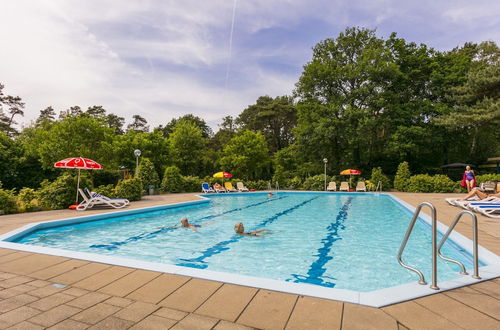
{"x": 377, "y": 298}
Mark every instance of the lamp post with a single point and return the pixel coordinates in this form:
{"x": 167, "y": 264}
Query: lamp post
{"x": 137, "y": 153}
{"x": 325, "y": 161}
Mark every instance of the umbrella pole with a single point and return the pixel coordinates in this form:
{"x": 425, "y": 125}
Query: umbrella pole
{"x": 77, "y": 187}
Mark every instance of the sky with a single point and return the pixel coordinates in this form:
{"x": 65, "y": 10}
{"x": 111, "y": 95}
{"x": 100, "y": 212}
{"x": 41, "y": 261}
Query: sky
{"x": 162, "y": 59}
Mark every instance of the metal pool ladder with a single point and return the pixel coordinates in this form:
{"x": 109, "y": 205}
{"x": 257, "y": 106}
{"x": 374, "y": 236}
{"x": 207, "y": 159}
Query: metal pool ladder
{"x": 436, "y": 248}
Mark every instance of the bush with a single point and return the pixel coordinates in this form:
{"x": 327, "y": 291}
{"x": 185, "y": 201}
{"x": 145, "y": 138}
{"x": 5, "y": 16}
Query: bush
{"x": 443, "y": 184}
{"x": 148, "y": 174}
{"x": 294, "y": 183}
{"x": 257, "y": 185}
{"x": 402, "y": 178}
{"x": 316, "y": 182}
{"x": 8, "y": 203}
{"x": 487, "y": 177}
{"x": 27, "y": 200}
{"x": 421, "y": 183}
{"x": 130, "y": 189}
{"x": 192, "y": 183}
{"x": 61, "y": 192}
{"x": 172, "y": 180}
{"x": 378, "y": 175}
{"x": 106, "y": 190}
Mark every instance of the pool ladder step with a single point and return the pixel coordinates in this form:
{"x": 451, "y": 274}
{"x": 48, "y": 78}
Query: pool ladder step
{"x": 436, "y": 248}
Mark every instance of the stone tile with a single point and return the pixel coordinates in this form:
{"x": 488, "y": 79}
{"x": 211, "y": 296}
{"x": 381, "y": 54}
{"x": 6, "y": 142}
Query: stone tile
{"x": 15, "y": 302}
{"x": 69, "y": 324}
{"x": 112, "y": 323}
{"x": 31, "y": 263}
{"x": 79, "y": 273}
{"x": 26, "y": 326}
{"x": 88, "y": 300}
{"x": 170, "y": 313}
{"x": 52, "y": 301}
{"x": 119, "y": 302}
{"x": 268, "y": 310}
{"x": 14, "y": 291}
{"x": 137, "y": 311}
{"x": 225, "y": 325}
{"x": 38, "y": 283}
{"x": 315, "y": 313}
{"x": 15, "y": 281}
{"x": 4, "y": 276}
{"x": 16, "y": 315}
{"x": 414, "y": 316}
{"x": 6, "y": 251}
{"x": 58, "y": 269}
{"x": 103, "y": 278}
{"x": 95, "y": 313}
{"x": 477, "y": 300}
{"x": 490, "y": 288}
{"x": 461, "y": 314}
{"x": 191, "y": 295}
{"x": 45, "y": 291}
{"x": 363, "y": 317}
{"x": 76, "y": 292}
{"x": 13, "y": 256}
{"x": 129, "y": 283}
{"x": 195, "y": 322}
{"x": 228, "y": 302}
{"x": 154, "y": 322}
{"x": 158, "y": 288}
{"x": 54, "y": 315}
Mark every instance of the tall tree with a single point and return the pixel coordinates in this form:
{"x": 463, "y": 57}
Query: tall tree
{"x": 47, "y": 116}
{"x": 139, "y": 124}
{"x": 10, "y": 106}
{"x": 275, "y": 118}
{"x": 206, "y": 131}
{"x": 186, "y": 147}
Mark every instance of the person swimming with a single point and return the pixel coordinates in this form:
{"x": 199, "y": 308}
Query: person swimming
{"x": 185, "y": 224}
{"x": 240, "y": 230}
{"x": 270, "y": 195}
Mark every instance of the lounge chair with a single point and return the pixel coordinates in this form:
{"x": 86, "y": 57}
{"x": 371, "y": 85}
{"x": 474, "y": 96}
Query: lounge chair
{"x": 492, "y": 210}
{"x": 241, "y": 187}
{"x": 229, "y": 187}
{"x": 206, "y": 188}
{"x": 344, "y": 186}
{"x": 219, "y": 189}
{"x": 360, "y": 186}
{"x": 488, "y": 186}
{"x": 466, "y": 204}
{"x": 332, "y": 186}
{"x": 94, "y": 198}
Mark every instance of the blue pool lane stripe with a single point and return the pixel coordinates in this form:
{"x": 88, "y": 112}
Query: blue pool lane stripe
{"x": 220, "y": 247}
{"x": 115, "y": 245}
{"x": 317, "y": 268}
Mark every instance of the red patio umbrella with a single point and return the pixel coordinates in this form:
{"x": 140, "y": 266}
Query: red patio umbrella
{"x": 80, "y": 164}
{"x": 350, "y": 172}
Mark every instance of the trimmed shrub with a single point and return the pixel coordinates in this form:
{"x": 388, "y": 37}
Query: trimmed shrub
{"x": 294, "y": 183}
{"x": 421, "y": 183}
{"x": 172, "y": 180}
{"x": 487, "y": 177}
{"x": 316, "y": 182}
{"x": 106, "y": 190}
{"x": 27, "y": 200}
{"x": 192, "y": 183}
{"x": 148, "y": 174}
{"x": 443, "y": 184}
{"x": 378, "y": 175}
{"x": 8, "y": 202}
{"x": 257, "y": 185}
{"x": 402, "y": 178}
{"x": 130, "y": 189}
{"x": 61, "y": 192}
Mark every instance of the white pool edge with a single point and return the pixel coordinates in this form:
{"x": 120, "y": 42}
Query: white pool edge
{"x": 378, "y": 298}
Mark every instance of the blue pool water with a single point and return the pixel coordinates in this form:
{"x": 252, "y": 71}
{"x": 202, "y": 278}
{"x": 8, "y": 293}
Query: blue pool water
{"x": 346, "y": 241}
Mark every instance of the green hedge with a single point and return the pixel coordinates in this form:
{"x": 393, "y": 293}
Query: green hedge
{"x": 402, "y": 178}
{"x": 106, "y": 190}
{"x": 61, "y": 192}
{"x": 8, "y": 202}
{"x": 130, "y": 189}
{"x": 27, "y": 199}
{"x": 172, "y": 180}
{"x": 315, "y": 183}
{"x": 148, "y": 174}
{"x": 427, "y": 184}
{"x": 487, "y": 177}
{"x": 378, "y": 175}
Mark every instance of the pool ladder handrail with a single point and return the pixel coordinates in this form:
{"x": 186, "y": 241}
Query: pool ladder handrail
{"x": 436, "y": 250}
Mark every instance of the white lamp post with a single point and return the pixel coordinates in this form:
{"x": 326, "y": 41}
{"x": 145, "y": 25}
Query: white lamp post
{"x": 137, "y": 153}
{"x": 325, "y": 161}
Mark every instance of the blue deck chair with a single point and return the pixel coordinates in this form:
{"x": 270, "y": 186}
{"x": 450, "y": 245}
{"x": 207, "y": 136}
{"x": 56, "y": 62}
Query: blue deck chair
{"x": 206, "y": 188}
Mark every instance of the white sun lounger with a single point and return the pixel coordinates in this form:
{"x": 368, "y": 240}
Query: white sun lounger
{"x": 492, "y": 210}
{"x": 332, "y": 186}
{"x": 94, "y": 198}
{"x": 344, "y": 186}
{"x": 241, "y": 187}
{"x": 361, "y": 186}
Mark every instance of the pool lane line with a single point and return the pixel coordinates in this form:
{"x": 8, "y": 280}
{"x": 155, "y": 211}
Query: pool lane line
{"x": 220, "y": 247}
{"x": 317, "y": 268}
{"x": 114, "y": 245}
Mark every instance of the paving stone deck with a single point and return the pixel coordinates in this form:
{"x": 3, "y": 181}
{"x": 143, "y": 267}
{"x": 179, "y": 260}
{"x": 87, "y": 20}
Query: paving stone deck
{"x": 101, "y": 296}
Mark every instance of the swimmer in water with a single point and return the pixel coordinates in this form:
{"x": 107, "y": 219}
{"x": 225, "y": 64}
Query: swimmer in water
{"x": 240, "y": 230}
{"x": 270, "y": 195}
{"x": 185, "y": 224}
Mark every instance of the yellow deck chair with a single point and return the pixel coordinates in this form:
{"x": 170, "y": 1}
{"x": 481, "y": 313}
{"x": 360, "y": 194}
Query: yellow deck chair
{"x": 229, "y": 187}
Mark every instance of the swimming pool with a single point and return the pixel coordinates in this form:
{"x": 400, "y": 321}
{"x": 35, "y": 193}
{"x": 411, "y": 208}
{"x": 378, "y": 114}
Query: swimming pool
{"x": 342, "y": 241}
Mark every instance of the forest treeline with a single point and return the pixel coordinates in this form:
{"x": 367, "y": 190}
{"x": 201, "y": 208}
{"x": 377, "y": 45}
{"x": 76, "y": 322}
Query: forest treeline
{"x": 361, "y": 102}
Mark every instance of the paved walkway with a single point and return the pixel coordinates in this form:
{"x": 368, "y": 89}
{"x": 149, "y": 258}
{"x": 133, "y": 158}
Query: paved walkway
{"x": 40, "y": 291}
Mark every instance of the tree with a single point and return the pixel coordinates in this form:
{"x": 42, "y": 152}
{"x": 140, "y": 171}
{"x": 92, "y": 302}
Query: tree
{"x": 186, "y": 147}
{"x": 246, "y": 156}
{"x": 47, "y": 116}
{"x": 148, "y": 174}
{"x": 14, "y": 107}
{"x": 206, "y": 131}
{"x": 74, "y": 111}
{"x": 227, "y": 130}
{"x": 275, "y": 118}
{"x": 139, "y": 124}
{"x": 402, "y": 178}
{"x": 115, "y": 122}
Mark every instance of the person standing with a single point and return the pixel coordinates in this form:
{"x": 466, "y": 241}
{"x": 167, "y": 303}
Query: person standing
{"x": 469, "y": 179}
